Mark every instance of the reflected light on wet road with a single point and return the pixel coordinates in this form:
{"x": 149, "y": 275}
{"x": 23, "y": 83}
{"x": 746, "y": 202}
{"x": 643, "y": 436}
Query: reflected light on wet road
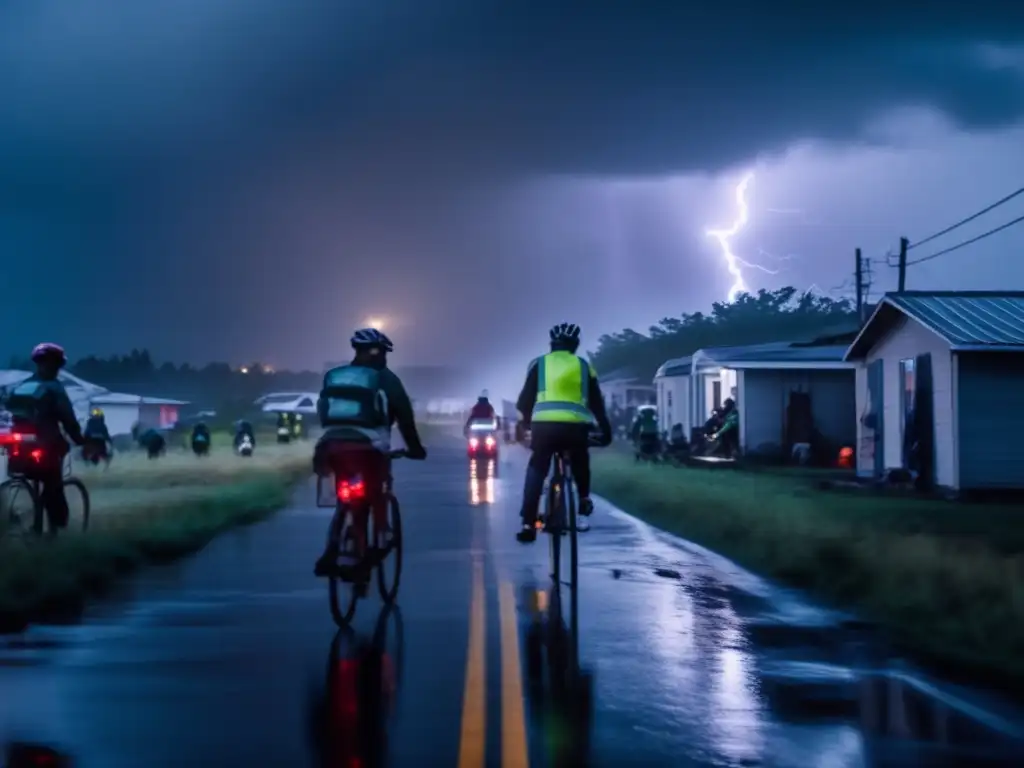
{"x": 481, "y": 483}
{"x": 736, "y": 718}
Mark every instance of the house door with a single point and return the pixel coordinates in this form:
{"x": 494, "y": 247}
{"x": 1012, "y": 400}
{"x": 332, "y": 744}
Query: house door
{"x": 872, "y": 420}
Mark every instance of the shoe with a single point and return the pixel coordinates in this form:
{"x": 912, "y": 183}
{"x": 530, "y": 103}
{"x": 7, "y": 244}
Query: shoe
{"x": 527, "y": 534}
{"x": 586, "y": 507}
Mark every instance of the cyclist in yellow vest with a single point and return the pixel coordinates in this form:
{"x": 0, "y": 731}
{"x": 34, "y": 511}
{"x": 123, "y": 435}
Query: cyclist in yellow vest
{"x": 560, "y": 403}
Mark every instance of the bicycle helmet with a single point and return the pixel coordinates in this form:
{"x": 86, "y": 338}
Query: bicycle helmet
{"x": 371, "y": 337}
{"x": 565, "y": 333}
{"x": 49, "y": 351}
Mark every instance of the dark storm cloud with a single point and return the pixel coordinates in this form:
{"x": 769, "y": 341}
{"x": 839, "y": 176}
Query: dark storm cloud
{"x": 567, "y": 86}
{"x": 345, "y": 153}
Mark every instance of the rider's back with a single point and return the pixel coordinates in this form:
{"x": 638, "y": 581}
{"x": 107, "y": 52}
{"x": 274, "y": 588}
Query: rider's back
{"x": 32, "y": 404}
{"x": 355, "y": 403}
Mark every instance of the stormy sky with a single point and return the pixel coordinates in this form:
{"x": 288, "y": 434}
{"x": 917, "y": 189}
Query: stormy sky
{"x": 240, "y": 179}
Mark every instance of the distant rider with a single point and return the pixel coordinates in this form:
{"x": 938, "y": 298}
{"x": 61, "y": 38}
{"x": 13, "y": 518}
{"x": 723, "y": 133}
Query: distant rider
{"x": 358, "y": 405}
{"x": 482, "y": 413}
{"x": 243, "y": 429}
{"x": 644, "y": 430}
{"x": 97, "y": 436}
{"x": 40, "y": 406}
{"x": 560, "y": 402}
{"x": 200, "y": 437}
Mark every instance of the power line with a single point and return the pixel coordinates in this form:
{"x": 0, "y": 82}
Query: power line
{"x": 965, "y": 243}
{"x": 960, "y": 223}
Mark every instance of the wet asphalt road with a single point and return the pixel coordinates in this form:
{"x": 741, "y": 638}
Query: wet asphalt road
{"x": 212, "y": 661}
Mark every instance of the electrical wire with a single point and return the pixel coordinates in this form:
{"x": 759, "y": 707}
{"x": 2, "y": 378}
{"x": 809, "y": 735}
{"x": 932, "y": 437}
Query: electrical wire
{"x": 960, "y": 223}
{"x": 965, "y": 243}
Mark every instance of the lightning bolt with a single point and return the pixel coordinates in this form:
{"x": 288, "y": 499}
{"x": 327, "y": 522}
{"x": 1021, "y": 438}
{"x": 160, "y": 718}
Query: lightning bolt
{"x": 732, "y": 262}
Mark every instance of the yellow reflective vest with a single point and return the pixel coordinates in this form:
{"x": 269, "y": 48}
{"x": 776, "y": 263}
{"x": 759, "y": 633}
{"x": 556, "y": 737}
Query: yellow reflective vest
{"x": 563, "y": 383}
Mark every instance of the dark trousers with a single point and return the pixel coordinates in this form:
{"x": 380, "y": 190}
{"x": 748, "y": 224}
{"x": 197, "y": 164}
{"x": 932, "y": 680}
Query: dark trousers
{"x": 548, "y": 439}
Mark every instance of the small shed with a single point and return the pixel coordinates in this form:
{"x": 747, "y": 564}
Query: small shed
{"x": 672, "y": 394}
{"x": 763, "y": 380}
{"x": 121, "y": 411}
{"x": 946, "y": 367}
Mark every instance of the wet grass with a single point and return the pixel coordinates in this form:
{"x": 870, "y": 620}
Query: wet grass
{"x": 944, "y": 580}
{"x": 142, "y": 511}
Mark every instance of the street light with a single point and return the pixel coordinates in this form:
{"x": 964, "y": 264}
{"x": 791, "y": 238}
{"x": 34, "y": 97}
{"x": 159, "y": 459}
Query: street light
{"x": 375, "y": 322}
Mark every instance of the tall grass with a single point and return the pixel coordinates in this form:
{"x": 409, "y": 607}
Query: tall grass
{"x": 946, "y": 580}
{"x": 142, "y": 511}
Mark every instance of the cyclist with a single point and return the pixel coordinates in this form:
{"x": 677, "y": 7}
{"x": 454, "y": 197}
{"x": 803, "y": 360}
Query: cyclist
{"x": 560, "y": 402}
{"x": 482, "y": 413}
{"x": 97, "y": 436}
{"x": 358, "y": 405}
{"x": 40, "y": 405}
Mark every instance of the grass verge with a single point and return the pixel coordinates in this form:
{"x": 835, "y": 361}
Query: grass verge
{"x": 945, "y": 581}
{"x": 142, "y": 511}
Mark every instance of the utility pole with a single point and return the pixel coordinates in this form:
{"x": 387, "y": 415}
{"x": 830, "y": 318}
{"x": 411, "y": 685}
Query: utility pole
{"x": 859, "y": 277}
{"x": 903, "y": 264}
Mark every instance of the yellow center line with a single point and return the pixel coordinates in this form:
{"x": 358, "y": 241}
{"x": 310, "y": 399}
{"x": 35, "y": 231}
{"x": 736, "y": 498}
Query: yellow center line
{"x": 472, "y": 740}
{"x": 513, "y": 721}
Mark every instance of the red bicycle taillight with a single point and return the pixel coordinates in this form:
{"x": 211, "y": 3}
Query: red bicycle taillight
{"x": 351, "y": 489}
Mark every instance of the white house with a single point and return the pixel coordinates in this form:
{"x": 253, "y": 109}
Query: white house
{"x": 622, "y": 389}
{"x": 954, "y": 358}
{"x": 121, "y": 411}
{"x": 762, "y": 379}
{"x": 290, "y": 402}
{"x": 672, "y": 394}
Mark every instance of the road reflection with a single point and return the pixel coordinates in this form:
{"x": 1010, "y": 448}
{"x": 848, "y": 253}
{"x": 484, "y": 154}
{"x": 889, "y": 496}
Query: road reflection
{"x": 482, "y": 475}
{"x": 350, "y": 717}
{"x": 23, "y": 755}
{"x": 559, "y": 692}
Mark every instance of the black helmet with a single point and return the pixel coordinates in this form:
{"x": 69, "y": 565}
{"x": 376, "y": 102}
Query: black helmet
{"x": 49, "y": 351}
{"x": 365, "y": 338}
{"x": 565, "y": 334}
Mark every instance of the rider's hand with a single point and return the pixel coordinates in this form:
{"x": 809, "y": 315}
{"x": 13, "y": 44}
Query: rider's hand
{"x": 416, "y": 454}
{"x": 604, "y": 439}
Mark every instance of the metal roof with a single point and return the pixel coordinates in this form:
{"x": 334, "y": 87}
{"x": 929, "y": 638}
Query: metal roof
{"x": 680, "y": 366}
{"x": 966, "y": 320}
{"x": 832, "y": 353}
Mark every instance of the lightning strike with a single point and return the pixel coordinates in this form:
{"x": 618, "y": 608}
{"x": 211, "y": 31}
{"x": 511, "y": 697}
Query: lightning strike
{"x": 732, "y": 262}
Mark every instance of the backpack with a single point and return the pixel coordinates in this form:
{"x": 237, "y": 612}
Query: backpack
{"x": 354, "y": 398}
{"x": 28, "y": 403}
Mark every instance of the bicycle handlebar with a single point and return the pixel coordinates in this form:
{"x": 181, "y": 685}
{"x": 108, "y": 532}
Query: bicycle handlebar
{"x": 398, "y": 454}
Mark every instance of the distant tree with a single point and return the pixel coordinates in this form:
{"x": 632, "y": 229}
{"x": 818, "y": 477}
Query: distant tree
{"x": 752, "y": 319}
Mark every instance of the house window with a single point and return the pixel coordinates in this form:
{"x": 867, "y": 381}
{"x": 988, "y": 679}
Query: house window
{"x": 716, "y": 392}
{"x": 907, "y": 386}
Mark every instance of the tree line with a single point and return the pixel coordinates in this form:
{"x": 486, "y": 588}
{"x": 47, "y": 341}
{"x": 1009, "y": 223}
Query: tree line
{"x": 210, "y": 386}
{"x": 780, "y": 315}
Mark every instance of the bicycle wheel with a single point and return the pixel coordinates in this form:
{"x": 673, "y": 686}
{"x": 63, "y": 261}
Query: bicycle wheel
{"x": 554, "y": 528}
{"x": 392, "y": 555}
{"x": 344, "y": 594}
{"x": 78, "y": 509}
{"x": 571, "y": 518}
{"x": 20, "y": 507}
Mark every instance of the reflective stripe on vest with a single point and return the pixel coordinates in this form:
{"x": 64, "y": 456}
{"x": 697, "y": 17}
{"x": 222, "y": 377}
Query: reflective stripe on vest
{"x": 566, "y": 401}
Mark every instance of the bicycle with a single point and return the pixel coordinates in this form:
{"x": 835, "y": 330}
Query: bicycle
{"x": 18, "y": 446}
{"x": 560, "y": 517}
{"x": 351, "y": 499}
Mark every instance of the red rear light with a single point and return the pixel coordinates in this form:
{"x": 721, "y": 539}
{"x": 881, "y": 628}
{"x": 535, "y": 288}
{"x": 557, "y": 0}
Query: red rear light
{"x": 473, "y": 442}
{"x": 351, "y": 489}
{"x": 489, "y": 442}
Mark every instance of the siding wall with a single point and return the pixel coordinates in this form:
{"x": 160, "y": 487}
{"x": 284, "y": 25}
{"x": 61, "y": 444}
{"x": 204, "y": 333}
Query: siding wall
{"x": 673, "y": 402}
{"x": 764, "y": 396}
{"x": 909, "y": 339}
{"x": 991, "y": 420}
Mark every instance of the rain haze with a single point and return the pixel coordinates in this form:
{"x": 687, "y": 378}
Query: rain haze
{"x": 218, "y": 180}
